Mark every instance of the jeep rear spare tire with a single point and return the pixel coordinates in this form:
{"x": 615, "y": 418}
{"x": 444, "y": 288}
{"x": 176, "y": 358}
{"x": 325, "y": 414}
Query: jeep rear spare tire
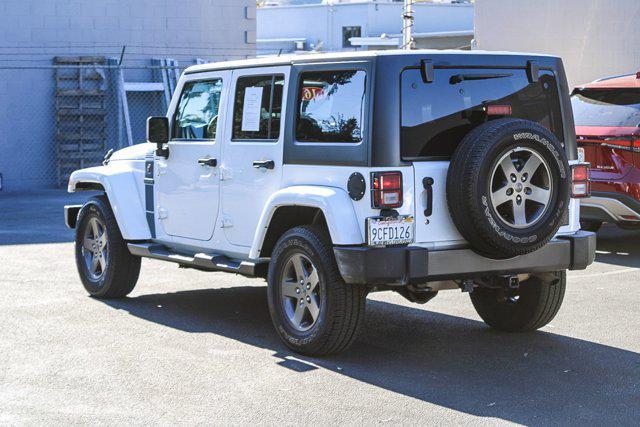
{"x": 508, "y": 187}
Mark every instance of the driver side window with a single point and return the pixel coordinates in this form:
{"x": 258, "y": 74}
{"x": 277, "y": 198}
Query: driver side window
{"x": 197, "y": 113}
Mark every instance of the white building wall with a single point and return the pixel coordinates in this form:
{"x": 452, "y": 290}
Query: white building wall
{"x": 595, "y": 38}
{"x": 41, "y": 29}
{"x": 387, "y": 17}
{"x": 324, "y": 22}
{"x": 33, "y": 32}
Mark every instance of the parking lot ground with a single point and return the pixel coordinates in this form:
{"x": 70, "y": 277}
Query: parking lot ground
{"x": 190, "y": 347}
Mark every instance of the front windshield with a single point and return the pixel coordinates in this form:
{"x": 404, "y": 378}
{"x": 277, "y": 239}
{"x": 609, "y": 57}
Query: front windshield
{"x": 606, "y": 107}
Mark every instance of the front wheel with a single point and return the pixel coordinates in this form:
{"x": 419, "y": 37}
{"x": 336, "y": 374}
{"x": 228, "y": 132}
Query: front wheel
{"x": 107, "y": 268}
{"x": 533, "y": 305}
{"x": 313, "y": 310}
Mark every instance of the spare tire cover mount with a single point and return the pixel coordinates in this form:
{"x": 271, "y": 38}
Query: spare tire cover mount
{"x": 523, "y": 178}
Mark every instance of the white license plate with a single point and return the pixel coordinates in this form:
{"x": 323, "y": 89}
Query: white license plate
{"x": 581, "y": 154}
{"x": 389, "y": 231}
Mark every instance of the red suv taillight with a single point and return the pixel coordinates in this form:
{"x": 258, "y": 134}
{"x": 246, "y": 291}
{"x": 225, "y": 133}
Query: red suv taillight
{"x": 580, "y": 181}
{"x": 386, "y": 190}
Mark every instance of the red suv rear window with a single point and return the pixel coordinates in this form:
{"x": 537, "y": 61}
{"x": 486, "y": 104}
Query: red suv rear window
{"x": 606, "y": 107}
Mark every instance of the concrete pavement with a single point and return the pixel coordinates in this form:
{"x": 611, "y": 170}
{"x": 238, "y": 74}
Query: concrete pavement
{"x": 191, "y": 347}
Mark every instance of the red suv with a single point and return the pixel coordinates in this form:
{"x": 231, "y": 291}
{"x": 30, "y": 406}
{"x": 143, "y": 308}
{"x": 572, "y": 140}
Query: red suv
{"x": 607, "y": 118}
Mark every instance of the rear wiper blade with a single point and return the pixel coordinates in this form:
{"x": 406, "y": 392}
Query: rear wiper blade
{"x": 459, "y": 78}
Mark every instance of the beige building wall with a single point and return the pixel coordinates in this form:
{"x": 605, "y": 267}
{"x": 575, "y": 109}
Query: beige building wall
{"x": 595, "y": 38}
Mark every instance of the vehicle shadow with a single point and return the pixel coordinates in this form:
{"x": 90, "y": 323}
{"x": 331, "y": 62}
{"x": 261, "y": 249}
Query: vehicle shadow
{"x": 453, "y": 362}
{"x": 618, "y": 247}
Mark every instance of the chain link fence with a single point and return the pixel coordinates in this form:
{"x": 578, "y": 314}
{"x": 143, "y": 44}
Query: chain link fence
{"x": 58, "y": 118}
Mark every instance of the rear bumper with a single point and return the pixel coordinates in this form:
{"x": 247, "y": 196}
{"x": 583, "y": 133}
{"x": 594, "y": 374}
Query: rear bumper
{"x": 411, "y": 265}
{"x": 610, "y": 207}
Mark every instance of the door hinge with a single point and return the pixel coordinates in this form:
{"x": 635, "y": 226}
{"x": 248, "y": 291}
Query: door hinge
{"x": 162, "y": 168}
{"x": 162, "y": 213}
{"x": 225, "y": 173}
{"x": 226, "y": 222}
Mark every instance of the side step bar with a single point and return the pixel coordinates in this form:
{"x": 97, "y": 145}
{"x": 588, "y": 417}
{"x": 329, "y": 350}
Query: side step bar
{"x": 199, "y": 261}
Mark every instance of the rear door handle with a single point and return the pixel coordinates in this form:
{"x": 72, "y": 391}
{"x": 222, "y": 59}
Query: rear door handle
{"x": 208, "y": 162}
{"x": 427, "y": 183}
{"x": 267, "y": 164}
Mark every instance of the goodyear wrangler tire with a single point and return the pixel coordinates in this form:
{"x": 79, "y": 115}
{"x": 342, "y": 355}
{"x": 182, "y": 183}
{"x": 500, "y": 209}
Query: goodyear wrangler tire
{"x": 533, "y": 305}
{"x": 313, "y": 311}
{"x": 508, "y": 187}
{"x": 106, "y": 267}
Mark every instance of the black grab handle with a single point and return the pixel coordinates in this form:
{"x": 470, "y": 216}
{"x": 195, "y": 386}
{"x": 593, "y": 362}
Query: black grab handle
{"x": 427, "y": 183}
{"x": 267, "y": 164}
{"x": 208, "y": 162}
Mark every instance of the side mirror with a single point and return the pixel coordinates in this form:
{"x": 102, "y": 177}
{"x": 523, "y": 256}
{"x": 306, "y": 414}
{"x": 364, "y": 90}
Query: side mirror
{"x": 158, "y": 133}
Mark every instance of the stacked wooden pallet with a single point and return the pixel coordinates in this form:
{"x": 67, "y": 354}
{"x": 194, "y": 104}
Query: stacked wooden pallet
{"x": 80, "y": 108}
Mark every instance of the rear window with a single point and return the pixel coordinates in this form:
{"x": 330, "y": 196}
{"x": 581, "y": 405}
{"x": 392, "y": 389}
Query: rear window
{"x": 331, "y": 106}
{"x": 437, "y": 115}
{"x": 606, "y": 107}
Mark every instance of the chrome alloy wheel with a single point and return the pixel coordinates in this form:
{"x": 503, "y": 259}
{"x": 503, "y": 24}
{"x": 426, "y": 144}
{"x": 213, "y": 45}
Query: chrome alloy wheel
{"x": 95, "y": 248}
{"x": 300, "y": 292}
{"x": 521, "y": 187}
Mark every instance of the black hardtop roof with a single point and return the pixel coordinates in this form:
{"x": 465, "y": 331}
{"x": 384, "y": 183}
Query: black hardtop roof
{"x": 439, "y": 57}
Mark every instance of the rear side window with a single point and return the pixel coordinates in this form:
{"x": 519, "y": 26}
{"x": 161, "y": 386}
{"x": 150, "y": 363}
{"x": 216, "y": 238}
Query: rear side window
{"x": 437, "y": 115}
{"x": 606, "y": 107}
{"x": 197, "y": 113}
{"x": 258, "y": 107}
{"x": 331, "y": 106}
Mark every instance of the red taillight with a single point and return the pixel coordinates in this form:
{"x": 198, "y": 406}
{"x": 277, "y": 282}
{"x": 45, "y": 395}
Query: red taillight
{"x": 498, "y": 110}
{"x": 386, "y": 190}
{"x": 630, "y": 217}
{"x": 580, "y": 180}
{"x": 580, "y": 173}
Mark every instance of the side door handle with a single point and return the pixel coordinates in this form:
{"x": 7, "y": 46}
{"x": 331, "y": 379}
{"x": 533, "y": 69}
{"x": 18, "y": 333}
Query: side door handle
{"x": 208, "y": 162}
{"x": 267, "y": 164}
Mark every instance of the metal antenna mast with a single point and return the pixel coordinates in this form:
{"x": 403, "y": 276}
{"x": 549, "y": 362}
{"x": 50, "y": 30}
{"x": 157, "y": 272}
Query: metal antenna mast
{"x": 407, "y": 25}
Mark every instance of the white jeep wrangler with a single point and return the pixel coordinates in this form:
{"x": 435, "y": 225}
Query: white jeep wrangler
{"x": 336, "y": 175}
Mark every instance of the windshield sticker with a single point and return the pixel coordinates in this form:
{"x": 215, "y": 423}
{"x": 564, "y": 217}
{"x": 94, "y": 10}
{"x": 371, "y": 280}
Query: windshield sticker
{"x": 312, "y": 93}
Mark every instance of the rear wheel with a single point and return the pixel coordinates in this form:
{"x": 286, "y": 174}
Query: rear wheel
{"x": 107, "y": 268}
{"x": 533, "y": 305}
{"x": 313, "y": 310}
